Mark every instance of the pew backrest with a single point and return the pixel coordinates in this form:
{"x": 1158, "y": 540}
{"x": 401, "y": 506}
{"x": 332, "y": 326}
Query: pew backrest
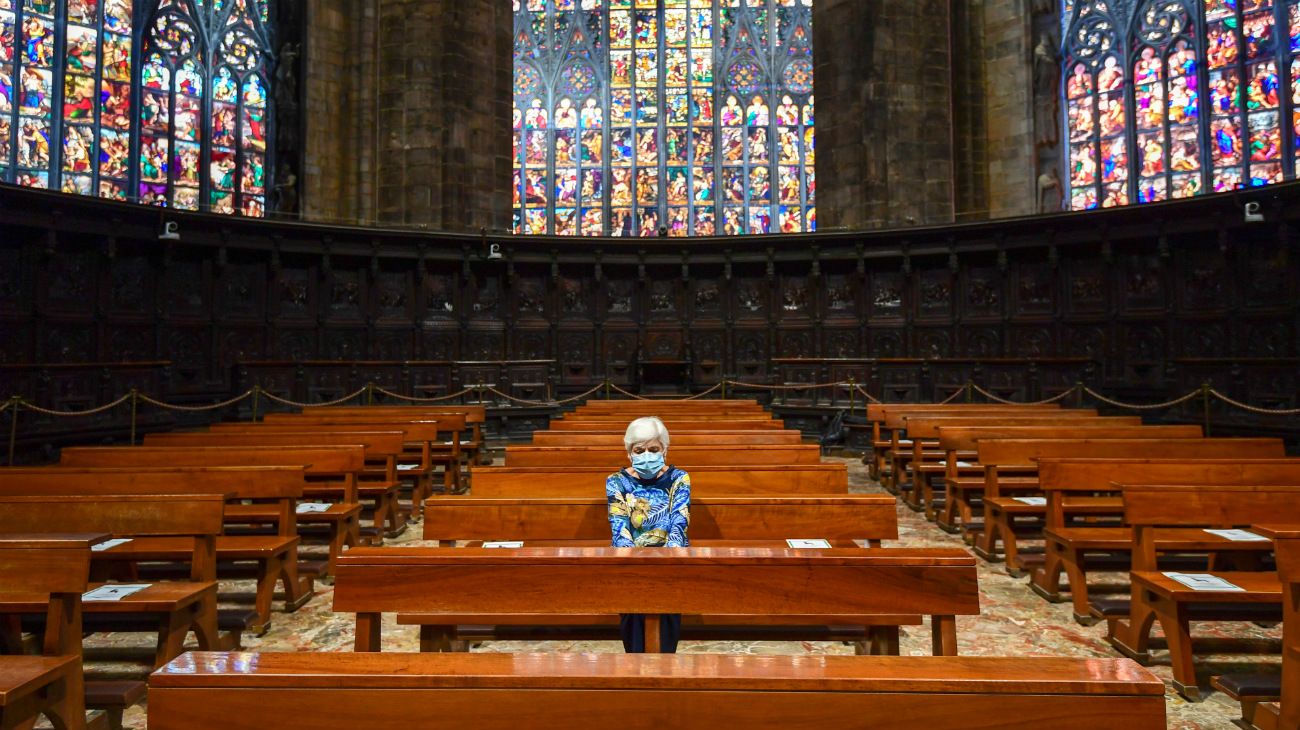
{"x": 683, "y": 456}
{"x": 1026, "y": 452}
{"x": 865, "y": 517}
{"x": 967, "y": 438}
{"x": 252, "y": 482}
{"x": 706, "y": 481}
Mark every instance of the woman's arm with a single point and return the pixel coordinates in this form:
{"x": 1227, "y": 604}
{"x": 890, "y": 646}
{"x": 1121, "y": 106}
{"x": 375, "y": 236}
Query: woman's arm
{"x": 680, "y": 517}
{"x": 620, "y": 526}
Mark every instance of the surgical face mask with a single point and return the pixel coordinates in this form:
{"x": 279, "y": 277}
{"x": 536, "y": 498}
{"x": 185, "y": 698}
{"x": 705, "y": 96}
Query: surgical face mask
{"x": 648, "y": 463}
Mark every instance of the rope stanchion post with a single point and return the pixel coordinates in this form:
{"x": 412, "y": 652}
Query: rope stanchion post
{"x": 15, "y": 404}
{"x": 135, "y": 409}
{"x": 724, "y": 388}
{"x": 853, "y": 391}
{"x": 1078, "y": 394}
{"x": 607, "y": 384}
{"x": 257, "y": 391}
{"x": 370, "y": 394}
{"x": 970, "y": 390}
{"x": 1205, "y": 406}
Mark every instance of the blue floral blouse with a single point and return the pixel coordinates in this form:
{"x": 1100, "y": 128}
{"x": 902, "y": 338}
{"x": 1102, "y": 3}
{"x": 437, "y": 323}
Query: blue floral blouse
{"x": 649, "y": 512}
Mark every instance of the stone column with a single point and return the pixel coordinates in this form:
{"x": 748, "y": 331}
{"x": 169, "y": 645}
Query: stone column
{"x": 884, "y": 113}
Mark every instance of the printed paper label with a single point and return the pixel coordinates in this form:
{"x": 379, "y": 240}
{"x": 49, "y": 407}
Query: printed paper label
{"x": 114, "y": 591}
{"x": 308, "y": 508}
{"x": 814, "y": 544}
{"x": 109, "y": 544}
{"x": 1033, "y": 501}
{"x": 504, "y": 544}
{"x": 1203, "y": 582}
{"x": 1239, "y": 535}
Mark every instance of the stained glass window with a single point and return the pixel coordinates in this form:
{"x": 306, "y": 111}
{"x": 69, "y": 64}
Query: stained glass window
{"x": 1178, "y": 97}
{"x": 692, "y": 116}
{"x": 164, "y": 104}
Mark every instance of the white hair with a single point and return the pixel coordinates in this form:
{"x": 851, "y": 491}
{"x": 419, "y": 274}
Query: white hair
{"x": 649, "y": 428}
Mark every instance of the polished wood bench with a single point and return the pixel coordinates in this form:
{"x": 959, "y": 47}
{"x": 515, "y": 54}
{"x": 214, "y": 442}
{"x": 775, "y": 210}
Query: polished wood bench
{"x": 276, "y": 556}
{"x": 171, "y": 609}
{"x": 1073, "y": 551}
{"x": 52, "y": 570}
{"x": 929, "y": 464}
{"x": 614, "y": 457}
{"x": 882, "y": 437}
{"x": 965, "y": 498}
{"x": 425, "y": 435}
{"x": 458, "y": 582}
{"x": 849, "y": 517}
{"x": 642, "y": 691}
{"x": 695, "y": 423}
{"x": 475, "y": 418}
{"x": 681, "y": 438}
{"x": 1157, "y": 597}
{"x": 706, "y": 481}
{"x": 377, "y": 484}
{"x": 1270, "y": 701}
{"x": 1006, "y": 510}
{"x": 906, "y": 445}
{"x": 337, "y": 465}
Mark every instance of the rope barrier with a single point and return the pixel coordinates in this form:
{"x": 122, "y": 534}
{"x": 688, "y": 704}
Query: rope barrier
{"x": 195, "y": 409}
{"x": 1140, "y": 406}
{"x": 69, "y": 414}
{"x": 868, "y": 396}
{"x": 796, "y": 386}
{"x": 418, "y": 399}
{"x": 1053, "y": 399}
{"x": 507, "y": 396}
{"x": 953, "y": 397}
{"x": 338, "y": 401}
{"x": 633, "y": 396}
{"x": 1254, "y": 409}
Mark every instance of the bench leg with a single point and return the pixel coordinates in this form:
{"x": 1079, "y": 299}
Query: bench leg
{"x": 1046, "y": 581}
{"x": 1178, "y": 635}
{"x": 947, "y": 518}
{"x": 268, "y": 571}
{"x": 172, "y": 630}
{"x": 1010, "y": 548}
{"x": 986, "y": 545}
{"x": 653, "y": 643}
{"x": 369, "y": 632}
{"x": 67, "y": 708}
{"x": 297, "y": 589}
{"x": 1132, "y": 637}
{"x": 1077, "y": 575}
{"x": 881, "y": 641}
{"x": 943, "y": 635}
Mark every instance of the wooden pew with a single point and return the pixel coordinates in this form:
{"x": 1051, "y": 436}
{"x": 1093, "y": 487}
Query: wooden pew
{"x": 378, "y": 484}
{"x": 205, "y": 691}
{"x": 706, "y": 481}
{"x": 172, "y": 608}
{"x": 673, "y": 424}
{"x": 687, "y": 438}
{"x": 331, "y": 463}
{"x": 849, "y": 517}
{"x": 683, "y": 456}
{"x": 1002, "y": 508}
{"x": 902, "y": 450}
{"x": 966, "y": 493}
{"x": 424, "y": 436}
{"x": 276, "y": 556}
{"x": 53, "y": 570}
{"x": 583, "y": 522}
{"x": 882, "y": 438}
{"x": 475, "y": 581}
{"x": 475, "y": 417}
{"x": 928, "y": 462}
{"x": 1153, "y": 510}
{"x": 1073, "y": 550}
{"x": 1275, "y": 700}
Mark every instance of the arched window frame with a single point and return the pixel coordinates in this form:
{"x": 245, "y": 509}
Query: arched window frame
{"x": 540, "y": 57}
{"x": 1274, "y": 141}
{"x": 69, "y": 122}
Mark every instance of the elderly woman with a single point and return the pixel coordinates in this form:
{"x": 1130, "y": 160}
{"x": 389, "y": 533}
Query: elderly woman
{"x": 649, "y": 506}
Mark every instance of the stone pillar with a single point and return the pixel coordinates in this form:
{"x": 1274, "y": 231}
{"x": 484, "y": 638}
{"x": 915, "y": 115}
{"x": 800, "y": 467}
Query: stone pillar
{"x": 444, "y": 113}
{"x": 884, "y": 113}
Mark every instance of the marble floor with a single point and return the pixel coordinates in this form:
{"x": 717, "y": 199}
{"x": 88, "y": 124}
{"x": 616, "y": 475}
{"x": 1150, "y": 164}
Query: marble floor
{"x": 1014, "y": 622}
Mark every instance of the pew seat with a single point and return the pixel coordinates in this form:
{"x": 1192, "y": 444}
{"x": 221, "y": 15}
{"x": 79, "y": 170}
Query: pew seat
{"x": 640, "y": 692}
